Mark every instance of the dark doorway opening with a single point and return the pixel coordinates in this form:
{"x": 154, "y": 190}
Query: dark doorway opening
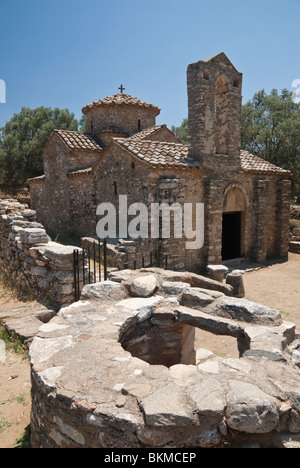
{"x": 231, "y": 235}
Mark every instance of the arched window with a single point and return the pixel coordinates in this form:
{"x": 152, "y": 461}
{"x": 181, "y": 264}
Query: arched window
{"x": 206, "y": 75}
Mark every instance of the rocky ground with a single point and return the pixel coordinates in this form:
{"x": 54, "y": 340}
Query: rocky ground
{"x": 276, "y": 286}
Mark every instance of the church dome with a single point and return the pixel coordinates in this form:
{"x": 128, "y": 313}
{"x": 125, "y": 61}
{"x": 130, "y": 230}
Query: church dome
{"x": 119, "y": 100}
{"x": 119, "y": 115}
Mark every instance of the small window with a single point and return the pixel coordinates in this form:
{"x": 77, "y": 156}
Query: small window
{"x": 132, "y": 165}
{"x": 206, "y": 75}
{"x": 92, "y": 127}
{"x": 115, "y": 189}
{"x": 236, "y": 83}
{"x": 139, "y": 125}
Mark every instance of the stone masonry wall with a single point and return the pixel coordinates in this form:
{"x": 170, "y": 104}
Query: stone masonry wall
{"x": 82, "y": 204}
{"x": 119, "y": 118}
{"x": 50, "y": 195}
{"x": 214, "y": 102}
{"x": 119, "y": 175}
{"x": 27, "y": 252}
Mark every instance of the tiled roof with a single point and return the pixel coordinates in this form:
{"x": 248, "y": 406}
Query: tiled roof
{"x": 158, "y": 153}
{"x": 145, "y": 134}
{"x": 176, "y": 154}
{"x": 81, "y": 172}
{"x": 37, "y": 179}
{"x": 254, "y": 164}
{"x": 120, "y": 99}
{"x": 78, "y": 141}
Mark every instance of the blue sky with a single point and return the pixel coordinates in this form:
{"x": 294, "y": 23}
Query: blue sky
{"x": 68, "y": 53}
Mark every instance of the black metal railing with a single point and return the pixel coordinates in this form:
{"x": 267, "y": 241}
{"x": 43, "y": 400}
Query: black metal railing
{"x": 90, "y": 266}
{"x": 154, "y": 259}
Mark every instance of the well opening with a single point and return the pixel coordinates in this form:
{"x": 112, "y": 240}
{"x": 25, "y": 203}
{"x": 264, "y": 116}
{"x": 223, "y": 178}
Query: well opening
{"x": 172, "y": 342}
{"x": 164, "y": 344}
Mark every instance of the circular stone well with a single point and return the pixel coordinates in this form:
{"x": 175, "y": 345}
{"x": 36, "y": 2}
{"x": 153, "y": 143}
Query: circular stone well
{"x": 113, "y": 370}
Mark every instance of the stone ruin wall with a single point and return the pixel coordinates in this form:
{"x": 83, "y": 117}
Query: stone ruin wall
{"x": 144, "y": 384}
{"x": 138, "y": 381}
{"x": 29, "y": 256}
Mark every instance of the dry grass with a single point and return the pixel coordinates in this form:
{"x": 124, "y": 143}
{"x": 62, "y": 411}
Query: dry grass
{"x": 14, "y": 285}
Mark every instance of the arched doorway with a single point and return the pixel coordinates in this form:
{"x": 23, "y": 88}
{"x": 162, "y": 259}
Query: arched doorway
{"x": 233, "y": 222}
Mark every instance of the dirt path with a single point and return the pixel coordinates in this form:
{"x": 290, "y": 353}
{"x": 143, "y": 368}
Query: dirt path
{"x": 277, "y": 286}
{"x": 15, "y": 399}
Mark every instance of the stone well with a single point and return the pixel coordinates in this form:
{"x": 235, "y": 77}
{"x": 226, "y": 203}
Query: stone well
{"x": 118, "y": 369}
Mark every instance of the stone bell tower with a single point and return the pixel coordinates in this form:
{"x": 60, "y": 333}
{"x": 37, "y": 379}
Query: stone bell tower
{"x": 214, "y": 110}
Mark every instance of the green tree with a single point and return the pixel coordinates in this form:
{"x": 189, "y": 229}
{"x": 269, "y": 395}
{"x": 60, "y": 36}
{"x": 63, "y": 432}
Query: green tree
{"x": 82, "y": 124}
{"x": 23, "y": 139}
{"x": 271, "y": 130}
{"x": 182, "y": 131}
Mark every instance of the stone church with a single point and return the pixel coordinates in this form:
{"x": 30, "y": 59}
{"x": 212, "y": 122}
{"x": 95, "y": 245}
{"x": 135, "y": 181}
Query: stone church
{"x": 124, "y": 152}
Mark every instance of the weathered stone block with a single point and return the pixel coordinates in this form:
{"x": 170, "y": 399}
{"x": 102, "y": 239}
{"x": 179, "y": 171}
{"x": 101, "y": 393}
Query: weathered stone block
{"x": 142, "y": 307}
{"x": 217, "y": 272}
{"x": 194, "y": 297}
{"x": 143, "y": 286}
{"x": 34, "y": 236}
{"x": 61, "y": 256}
{"x": 247, "y": 311}
{"x": 173, "y": 287}
{"x": 107, "y": 289}
{"x": 39, "y": 271}
{"x": 167, "y": 407}
{"x": 250, "y": 409}
{"x": 235, "y": 279}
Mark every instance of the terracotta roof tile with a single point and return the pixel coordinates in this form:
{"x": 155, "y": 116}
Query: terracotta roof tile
{"x": 143, "y": 134}
{"x": 37, "y": 179}
{"x": 87, "y": 171}
{"x": 176, "y": 154}
{"x": 78, "y": 140}
{"x": 120, "y": 99}
{"x": 254, "y": 164}
{"x": 159, "y": 153}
